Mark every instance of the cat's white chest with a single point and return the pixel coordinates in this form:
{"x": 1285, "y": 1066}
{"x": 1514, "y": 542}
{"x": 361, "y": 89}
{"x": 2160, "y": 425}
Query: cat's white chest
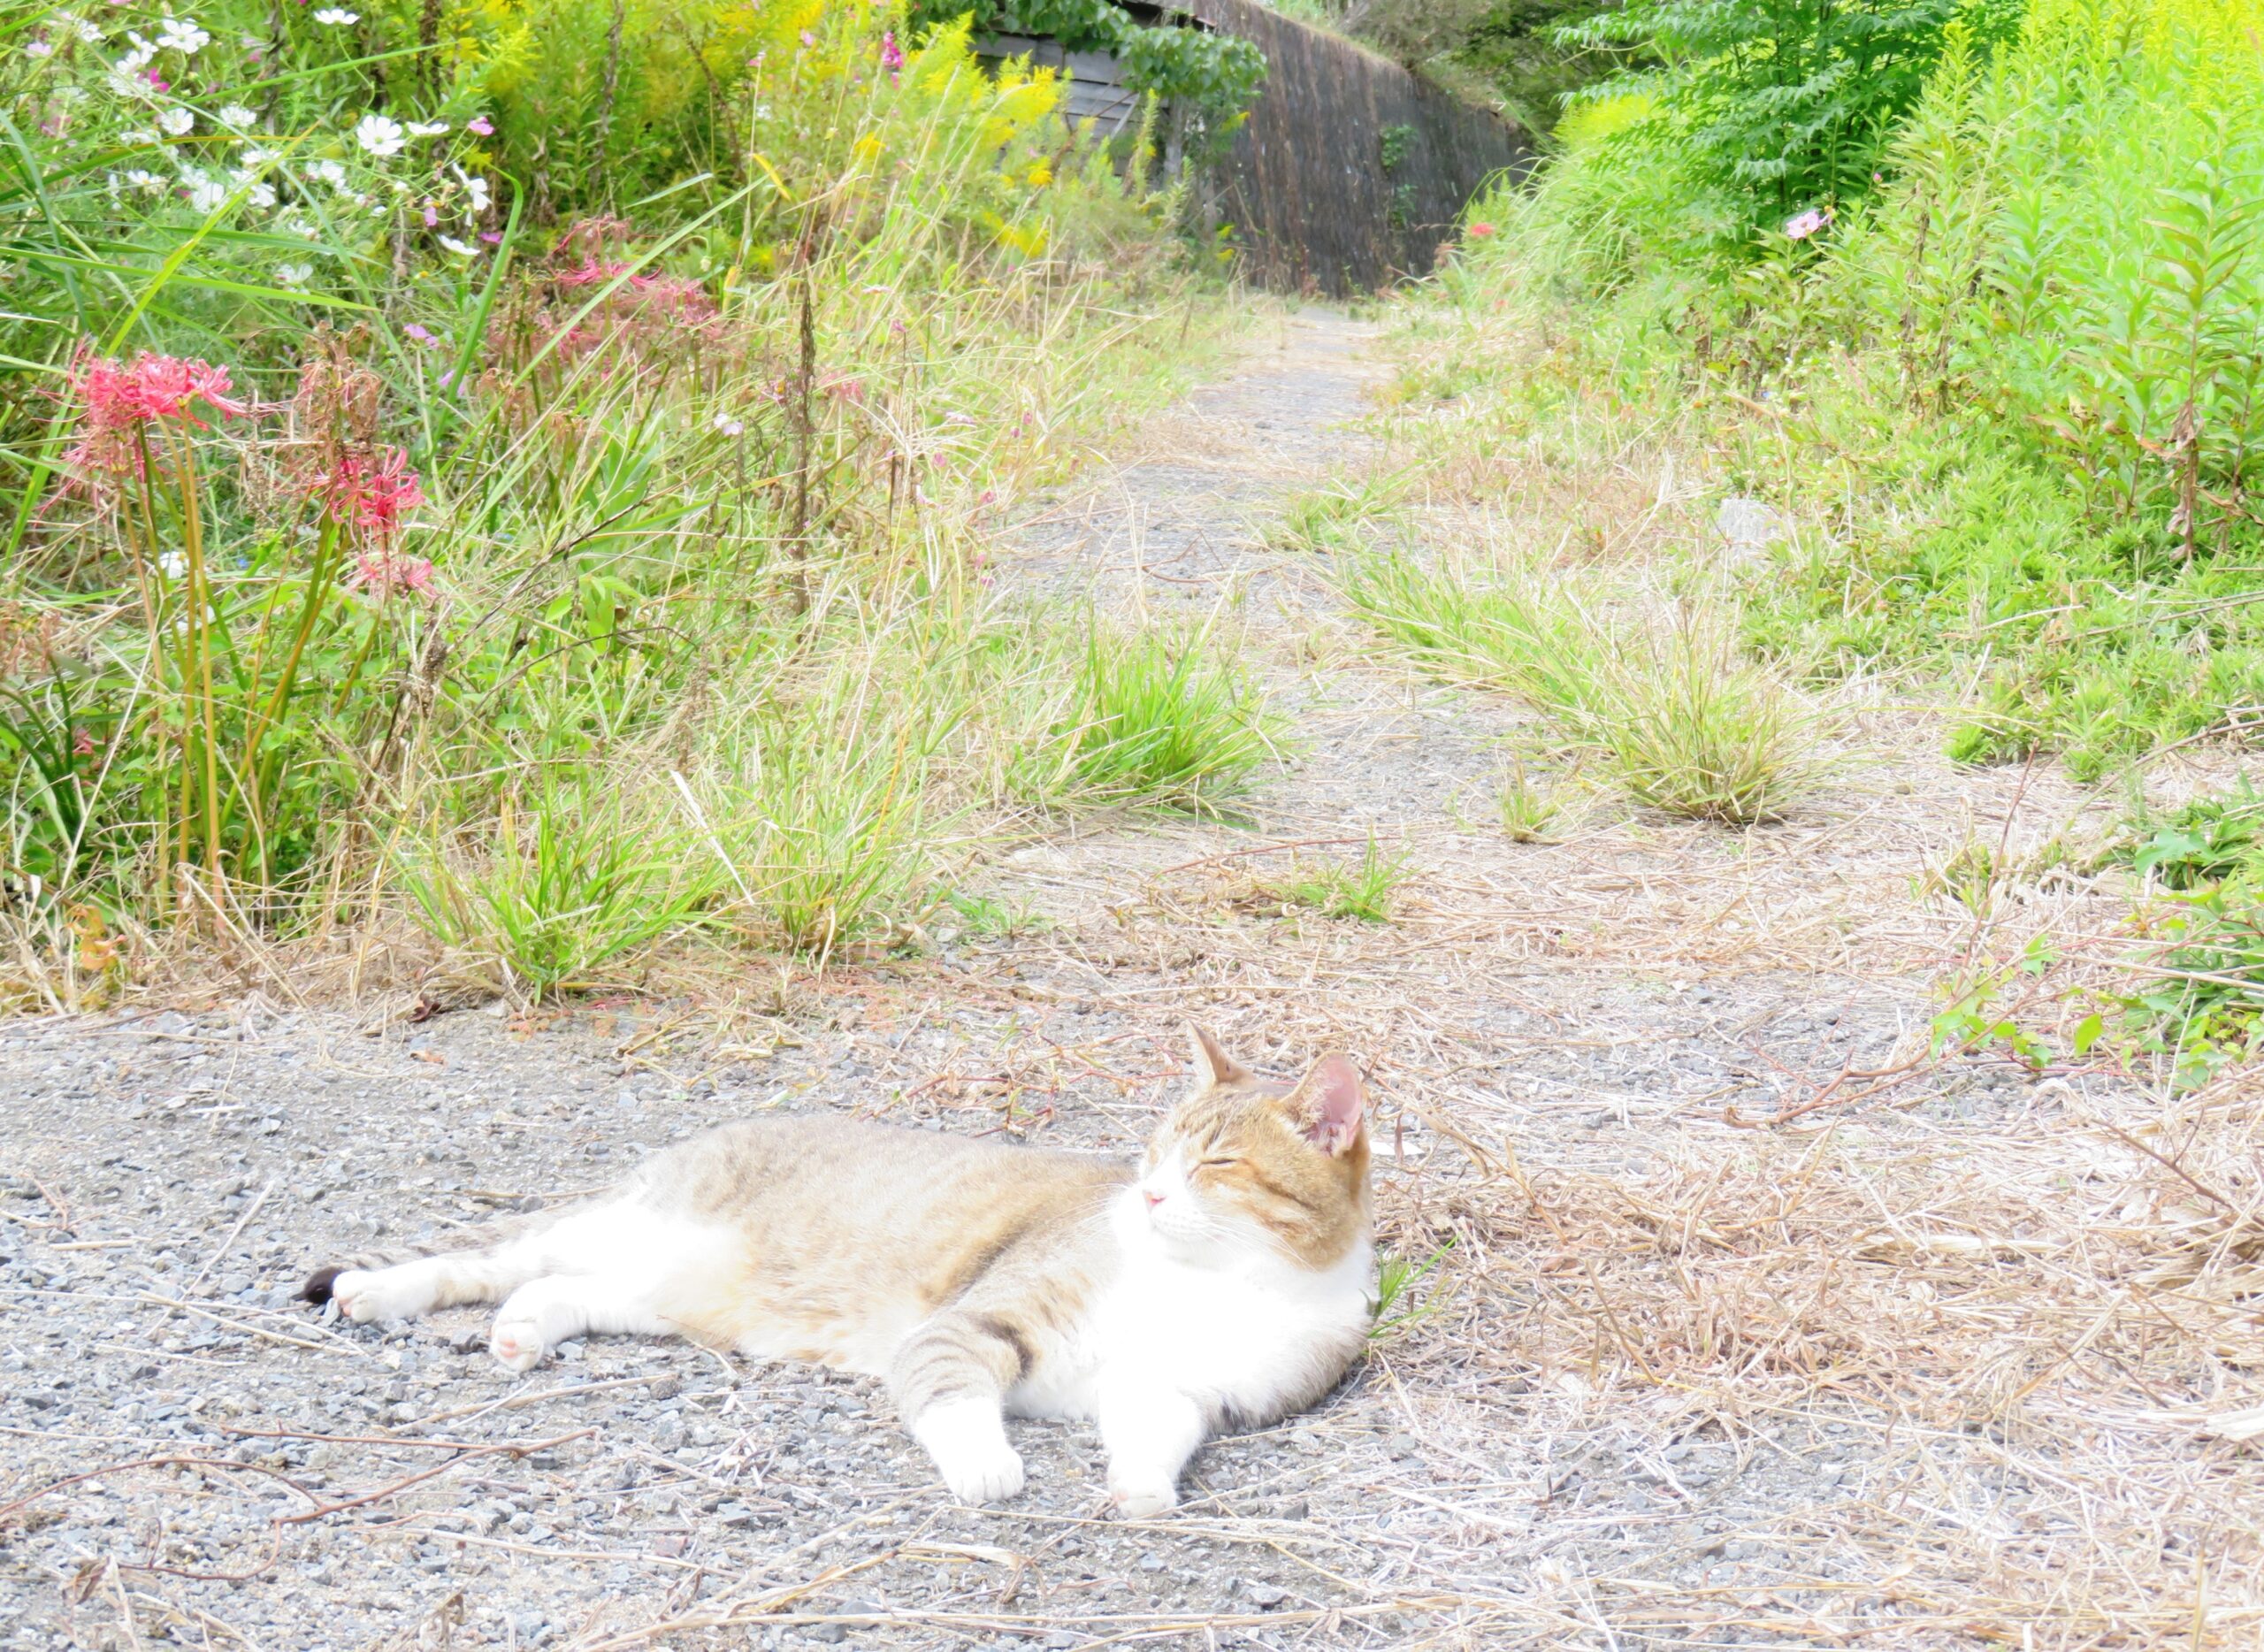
{"x": 1234, "y": 1338}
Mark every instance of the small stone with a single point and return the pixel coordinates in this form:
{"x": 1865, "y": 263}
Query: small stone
{"x": 1267, "y": 1595}
{"x": 831, "y": 1634}
{"x": 1403, "y": 1446}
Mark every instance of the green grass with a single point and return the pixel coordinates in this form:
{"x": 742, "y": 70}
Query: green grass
{"x": 1331, "y": 517}
{"x": 1365, "y": 889}
{"x": 1528, "y": 808}
{"x": 1403, "y": 1302}
{"x": 584, "y": 879}
{"x": 1170, "y": 715}
{"x": 1680, "y": 719}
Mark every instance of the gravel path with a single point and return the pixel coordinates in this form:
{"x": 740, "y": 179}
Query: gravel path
{"x": 264, "y": 1476}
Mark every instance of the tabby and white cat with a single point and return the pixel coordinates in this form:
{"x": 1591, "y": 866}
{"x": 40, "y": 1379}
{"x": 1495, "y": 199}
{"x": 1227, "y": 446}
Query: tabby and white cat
{"x": 1223, "y": 1282}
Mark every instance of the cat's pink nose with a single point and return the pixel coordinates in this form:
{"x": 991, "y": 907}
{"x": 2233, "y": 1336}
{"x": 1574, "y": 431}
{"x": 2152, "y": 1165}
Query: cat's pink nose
{"x": 1153, "y": 1199}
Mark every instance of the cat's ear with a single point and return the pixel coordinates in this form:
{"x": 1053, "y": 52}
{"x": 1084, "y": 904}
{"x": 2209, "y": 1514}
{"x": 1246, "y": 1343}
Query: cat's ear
{"x": 1212, "y": 1064}
{"x": 1326, "y": 1104}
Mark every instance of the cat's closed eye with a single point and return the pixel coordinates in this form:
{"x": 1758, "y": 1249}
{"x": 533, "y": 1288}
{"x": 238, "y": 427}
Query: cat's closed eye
{"x": 1216, "y": 1164}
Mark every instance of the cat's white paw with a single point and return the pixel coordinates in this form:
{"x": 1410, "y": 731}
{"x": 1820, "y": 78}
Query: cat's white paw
{"x": 517, "y": 1340}
{"x": 1141, "y": 1500}
{"x": 969, "y": 1445}
{"x": 363, "y": 1295}
{"x": 990, "y": 1476}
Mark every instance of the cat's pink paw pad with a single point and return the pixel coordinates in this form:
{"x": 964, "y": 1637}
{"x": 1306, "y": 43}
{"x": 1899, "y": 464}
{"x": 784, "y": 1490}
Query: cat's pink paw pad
{"x": 516, "y": 1343}
{"x": 1136, "y": 1502}
{"x": 360, "y": 1296}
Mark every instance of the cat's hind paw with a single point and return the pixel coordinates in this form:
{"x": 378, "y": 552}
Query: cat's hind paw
{"x": 365, "y": 1294}
{"x": 517, "y": 1340}
{"x": 1141, "y": 1500}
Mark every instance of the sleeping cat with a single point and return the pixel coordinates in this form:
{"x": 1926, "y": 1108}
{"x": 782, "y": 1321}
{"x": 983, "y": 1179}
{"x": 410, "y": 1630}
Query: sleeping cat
{"x": 1223, "y": 1282}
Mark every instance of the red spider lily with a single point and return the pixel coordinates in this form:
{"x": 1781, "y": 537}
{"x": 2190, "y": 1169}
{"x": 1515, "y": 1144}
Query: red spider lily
{"x": 374, "y": 497}
{"x": 1480, "y": 232}
{"x": 386, "y": 574}
{"x": 592, "y": 272}
{"x": 119, "y": 400}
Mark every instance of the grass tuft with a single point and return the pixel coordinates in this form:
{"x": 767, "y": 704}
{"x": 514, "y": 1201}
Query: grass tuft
{"x": 1364, "y": 889}
{"x": 1161, "y": 716}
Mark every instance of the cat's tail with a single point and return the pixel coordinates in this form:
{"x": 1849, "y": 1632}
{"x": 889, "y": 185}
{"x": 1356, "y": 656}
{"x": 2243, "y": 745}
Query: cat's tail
{"x": 485, "y": 1237}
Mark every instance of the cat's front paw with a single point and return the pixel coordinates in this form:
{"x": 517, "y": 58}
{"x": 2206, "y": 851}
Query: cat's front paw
{"x": 985, "y": 1476}
{"x": 1141, "y": 1500}
{"x": 517, "y": 1342}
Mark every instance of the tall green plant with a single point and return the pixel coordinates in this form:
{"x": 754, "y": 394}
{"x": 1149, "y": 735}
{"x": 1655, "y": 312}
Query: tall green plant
{"x": 1779, "y": 106}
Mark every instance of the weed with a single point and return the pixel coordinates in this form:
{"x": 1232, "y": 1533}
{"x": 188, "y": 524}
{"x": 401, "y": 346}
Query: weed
{"x": 1689, "y": 727}
{"x": 2200, "y": 844}
{"x": 584, "y": 879}
{"x": 1364, "y": 890}
{"x": 980, "y": 914}
{"x": 1160, "y": 715}
{"x": 1528, "y": 807}
{"x": 1398, "y": 1278}
{"x": 1332, "y": 516}
{"x": 1681, "y": 720}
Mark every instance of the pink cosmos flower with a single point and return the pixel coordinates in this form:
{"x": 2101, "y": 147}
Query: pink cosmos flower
{"x": 891, "y": 54}
{"x": 423, "y": 334}
{"x": 1807, "y": 224}
{"x": 82, "y": 741}
{"x": 386, "y": 574}
{"x": 481, "y": 125}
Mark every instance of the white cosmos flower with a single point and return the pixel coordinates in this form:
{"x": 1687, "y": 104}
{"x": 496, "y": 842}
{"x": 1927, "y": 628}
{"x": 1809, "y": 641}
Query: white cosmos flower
{"x": 259, "y": 155}
{"x": 329, "y": 172}
{"x": 207, "y": 197}
{"x": 294, "y": 274}
{"x": 728, "y": 425}
{"x": 337, "y": 16}
{"x": 173, "y": 564}
{"x": 427, "y": 128}
{"x": 88, "y": 35}
{"x": 176, "y": 121}
{"x": 481, "y": 196}
{"x": 235, "y": 116}
{"x": 148, "y": 182}
{"x": 462, "y": 249}
{"x": 380, "y": 135}
{"x": 181, "y": 34}
{"x": 263, "y": 195}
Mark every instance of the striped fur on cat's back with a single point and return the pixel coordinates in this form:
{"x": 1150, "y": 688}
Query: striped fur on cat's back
{"x": 1223, "y": 1280}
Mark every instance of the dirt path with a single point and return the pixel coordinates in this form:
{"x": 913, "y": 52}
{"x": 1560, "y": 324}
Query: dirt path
{"x": 1642, "y": 1407}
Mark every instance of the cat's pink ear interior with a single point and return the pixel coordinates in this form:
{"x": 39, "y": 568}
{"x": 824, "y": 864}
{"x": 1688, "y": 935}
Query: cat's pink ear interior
{"x": 1326, "y": 1104}
{"x": 1212, "y": 1064}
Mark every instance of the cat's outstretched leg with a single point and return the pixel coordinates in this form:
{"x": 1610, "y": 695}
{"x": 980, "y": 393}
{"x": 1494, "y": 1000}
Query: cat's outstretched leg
{"x": 544, "y": 1312}
{"x": 1150, "y": 1430}
{"x": 950, "y": 1380}
{"x": 407, "y": 1290}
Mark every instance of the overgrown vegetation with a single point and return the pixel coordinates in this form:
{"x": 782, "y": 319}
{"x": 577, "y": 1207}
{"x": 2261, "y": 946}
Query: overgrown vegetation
{"x": 521, "y": 472}
{"x": 1970, "y": 296}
